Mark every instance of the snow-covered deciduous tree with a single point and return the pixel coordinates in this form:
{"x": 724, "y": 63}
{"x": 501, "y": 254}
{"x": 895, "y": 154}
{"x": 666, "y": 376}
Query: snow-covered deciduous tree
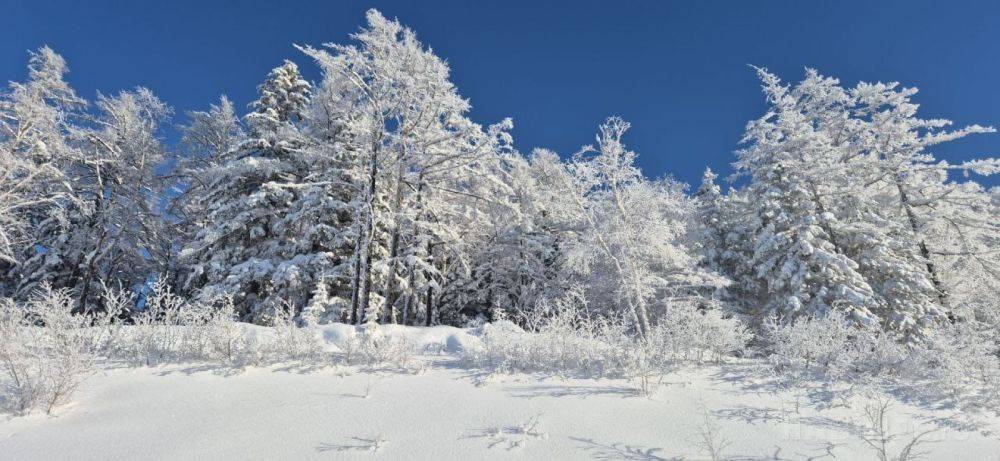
{"x": 405, "y": 125}
{"x": 517, "y": 252}
{"x": 948, "y": 224}
{"x": 112, "y": 232}
{"x": 35, "y": 119}
{"x": 630, "y": 232}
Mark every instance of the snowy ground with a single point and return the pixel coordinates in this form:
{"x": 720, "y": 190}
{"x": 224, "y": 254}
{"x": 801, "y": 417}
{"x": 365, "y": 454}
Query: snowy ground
{"x": 444, "y": 411}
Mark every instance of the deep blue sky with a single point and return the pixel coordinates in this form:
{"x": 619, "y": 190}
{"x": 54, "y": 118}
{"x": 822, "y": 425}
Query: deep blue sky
{"x": 677, "y": 70}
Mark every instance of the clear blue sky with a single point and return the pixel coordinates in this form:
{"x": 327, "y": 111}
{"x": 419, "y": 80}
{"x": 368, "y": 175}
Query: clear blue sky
{"x": 677, "y": 70}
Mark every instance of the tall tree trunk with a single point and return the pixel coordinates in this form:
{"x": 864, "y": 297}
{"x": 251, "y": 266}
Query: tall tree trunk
{"x": 409, "y": 300}
{"x": 397, "y": 203}
{"x": 411, "y": 303}
{"x": 369, "y": 241}
{"x": 430, "y": 288}
{"x": 92, "y": 258}
{"x": 366, "y": 283}
{"x": 390, "y": 290}
{"x": 356, "y": 281}
{"x": 823, "y": 223}
{"x": 430, "y": 304}
{"x": 922, "y": 245}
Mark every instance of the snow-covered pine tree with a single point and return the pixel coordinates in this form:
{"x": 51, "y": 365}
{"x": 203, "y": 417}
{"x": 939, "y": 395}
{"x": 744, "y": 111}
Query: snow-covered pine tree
{"x": 711, "y": 223}
{"x": 859, "y": 221}
{"x": 249, "y": 248}
{"x": 207, "y": 138}
{"x": 853, "y": 164}
{"x": 797, "y": 260}
{"x": 802, "y": 270}
{"x": 721, "y": 240}
{"x": 318, "y": 305}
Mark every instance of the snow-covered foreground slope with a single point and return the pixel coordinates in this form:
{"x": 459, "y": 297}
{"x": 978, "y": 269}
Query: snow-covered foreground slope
{"x": 444, "y": 411}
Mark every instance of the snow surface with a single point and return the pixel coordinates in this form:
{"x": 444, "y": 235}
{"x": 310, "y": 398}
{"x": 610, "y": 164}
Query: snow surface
{"x": 444, "y": 411}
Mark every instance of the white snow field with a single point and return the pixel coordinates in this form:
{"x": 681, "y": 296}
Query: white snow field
{"x": 439, "y": 409}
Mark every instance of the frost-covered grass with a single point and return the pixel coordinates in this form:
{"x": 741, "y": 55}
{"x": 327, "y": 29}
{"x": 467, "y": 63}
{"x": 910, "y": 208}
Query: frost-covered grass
{"x": 355, "y": 412}
{"x": 46, "y": 351}
{"x": 957, "y": 364}
{"x": 562, "y": 342}
{"x": 880, "y": 397}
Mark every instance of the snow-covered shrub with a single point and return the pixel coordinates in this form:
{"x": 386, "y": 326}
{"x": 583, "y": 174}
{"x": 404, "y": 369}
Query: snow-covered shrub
{"x": 374, "y": 347}
{"x": 226, "y": 341}
{"x": 563, "y": 343}
{"x": 645, "y": 366}
{"x": 107, "y": 327}
{"x": 292, "y": 341}
{"x": 45, "y": 351}
{"x": 684, "y": 332}
{"x": 877, "y": 353}
{"x": 155, "y": 334}
{"x": 688, "y": 333}
{"x": 961, "y": 358}
{"x": 957, "y": 361}
{"x": 561, "y": 339}
{"x": 810, "y": 345}
{"x": 169, "y": 329}
{"x": 22, "y": 368}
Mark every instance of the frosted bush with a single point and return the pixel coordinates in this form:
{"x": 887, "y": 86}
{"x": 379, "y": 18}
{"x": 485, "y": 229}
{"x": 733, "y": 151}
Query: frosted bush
{"x": 689, "y": 333}
{"x": 961, "y": 359}
{"x": 955, "y": 360}
{"x": 45, "y": 351}
{"x": 565, "y": 343}
{"x": 373, "y": 347}
{"x": 811, "y": 345}
{"x": 294, "y": 342}
{"x": 107, "y": 327}
{"x": 168, "y": 329}
{"x": 154, "y": 336}
{"x": 226, "y": 341}
{"x": 20, "y": 358}
{"x": 877, "y": 353}
{"x": 562, "y": 340}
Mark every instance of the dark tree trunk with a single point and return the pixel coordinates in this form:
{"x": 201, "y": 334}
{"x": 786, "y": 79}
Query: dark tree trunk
{"x": 430, "y": 304}
{"x": 366, "y": 278}
{"x": 922, "y": 246}
{"x": 390, "y": 290}
{"x": 355, "y": 288}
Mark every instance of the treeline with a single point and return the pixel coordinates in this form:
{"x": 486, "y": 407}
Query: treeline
{"x": 370, "y": 196}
